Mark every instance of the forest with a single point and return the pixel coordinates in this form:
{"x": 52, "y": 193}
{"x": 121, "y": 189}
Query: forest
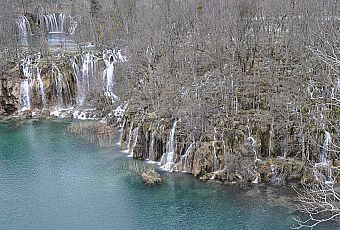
{"x": 237, "y": 90}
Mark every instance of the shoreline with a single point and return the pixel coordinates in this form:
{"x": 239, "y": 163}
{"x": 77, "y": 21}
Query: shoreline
{"x": 209, "y": 177}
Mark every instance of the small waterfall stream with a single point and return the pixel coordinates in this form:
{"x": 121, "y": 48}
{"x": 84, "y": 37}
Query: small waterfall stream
{"x": 42, "y": 89}
{"x": 85, "y": 75}
{"x": 54, "y": 23}
{"x": 130, "y": 138}
{"x": 215, "y": 160}
{"x": 167, "y": 160}
{"x": 24, "y": 26}
{"x": 108, "y": 77}
{"x": 184, "y": 158}
{"x": 152, "y": 152}
{"x": 25, "y": 101}
{"x": 324, "y": 158}
{"x": 111, "y": 57}
{"x": 135, "y": 139}
{"x": 58, "y": 86}
{"x": 32, "y": 74}
{"x": 26, "y": 85}
{"x": 252, "y": 142}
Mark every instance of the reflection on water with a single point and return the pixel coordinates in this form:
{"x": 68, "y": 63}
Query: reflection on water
{"x": 50, "y": 179}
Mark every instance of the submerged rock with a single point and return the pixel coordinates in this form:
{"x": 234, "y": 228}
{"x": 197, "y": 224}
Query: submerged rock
{"x": 93, "y": 132}
{"x": 151, "y": 177}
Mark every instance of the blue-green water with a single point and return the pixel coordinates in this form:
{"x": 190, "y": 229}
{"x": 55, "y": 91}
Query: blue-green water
{"x": 52, "y": 180}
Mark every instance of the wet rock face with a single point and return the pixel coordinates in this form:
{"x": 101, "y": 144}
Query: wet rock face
{"x": 9, "y": 95}
{"x": 226, "y": 154}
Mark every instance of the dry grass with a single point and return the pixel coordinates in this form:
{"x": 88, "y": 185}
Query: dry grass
{"x": 146, "y": 172}
{"x": 93, "y": 132}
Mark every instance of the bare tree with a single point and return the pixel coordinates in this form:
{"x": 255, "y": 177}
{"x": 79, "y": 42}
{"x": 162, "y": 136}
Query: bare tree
{"x": 320, "y": 203}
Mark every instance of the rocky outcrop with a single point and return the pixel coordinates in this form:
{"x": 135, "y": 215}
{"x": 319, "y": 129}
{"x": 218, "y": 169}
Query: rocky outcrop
{"x": 9, "y": 91}
{"x": 226, "y": 154}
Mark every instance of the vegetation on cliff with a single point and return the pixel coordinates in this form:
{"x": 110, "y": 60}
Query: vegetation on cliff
{"x": 244, "y": 91}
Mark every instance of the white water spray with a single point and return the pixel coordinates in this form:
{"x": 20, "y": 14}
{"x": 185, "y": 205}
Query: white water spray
{"x": 24, "y": 26}
{"x": 184, "y": 158}
{"x": 167, "y": 160}
{"x": 325, "y": 148}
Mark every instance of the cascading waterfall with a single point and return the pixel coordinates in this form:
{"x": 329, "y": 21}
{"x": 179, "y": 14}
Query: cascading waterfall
{"x": 62, "y": 19}
{"x": 40, "y": 82}
{"x": 184, "y": 158}
{"x": 152, "y": 153}
{"x": 73, "y": 26}
{"x": 85, "y": 75}
{"x": 89, "y": 70}
{"x": 86, "y": 81}
{"x": 135, "y": 139}
{"x": 24, "y": 26}
{"x": 58, "y": 23}
{"x": 54, "y": 23}
{"x": 119, "y": 113}
{"x": 25, "y": 101}
{"x": 215, "y": 160}
{"x": 108, "y": 75}
{"x": 32, "y": 73}
{"x": 41, "y": 86}
{"x": 26, "y": 85}
{"x": 111, "y": 57}
{"x": 122, "y": 132}
{"x": 130, "y": 138}
{"x": 76, "y": 74}
{"x": 252, "y": 142}
{"x": 58, "y": 85}
{"x": 62, "y": 87}
{"x": 325, "y": 148}
{"x": 167, "y": 159}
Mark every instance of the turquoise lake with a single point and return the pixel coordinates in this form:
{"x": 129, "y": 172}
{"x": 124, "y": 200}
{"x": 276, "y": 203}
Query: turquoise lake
{"x": 50, "y": 179}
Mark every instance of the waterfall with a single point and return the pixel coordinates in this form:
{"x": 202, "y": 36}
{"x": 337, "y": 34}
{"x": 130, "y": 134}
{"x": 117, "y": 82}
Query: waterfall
{"x": 61, "y": 22}
{"x": 42, "y": 90}
{"x": 89, "y": 70}
{"x": 170, "y": 147}
{"x": 26, "y": 85}
{"x": 325, "y": 148}
{"x": 111, "y": 57}
{"x": 184, "y": 158}
{"x": 73, "y": 26}
{"x": 85, "y": 75}
{"x": 76, "y": 74}
{"x": 135, "y": 139}
{"x": 130, "y": 138}
{"x": 119, "y": 112}
{"x": 108, "y": 75}
{"x": 151, "y": 148}
{"x": 62, "y": 87}
{"x": 58, "y": 86}
{"x": 32, "y": 73}
{"x": 152, "y": 152}
{"x": 215, "y": 160}
{"x": 54, "y": 23}
{"x": 252, "y": 142}
{"x": 24, "y": 26}
{"x": 25, "y": 101}
{"x": 122, "y": 132}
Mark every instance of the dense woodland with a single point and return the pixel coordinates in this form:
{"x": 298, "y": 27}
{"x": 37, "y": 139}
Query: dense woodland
{"x": 270, "y": 68}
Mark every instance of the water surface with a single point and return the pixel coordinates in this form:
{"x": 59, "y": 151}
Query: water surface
{"x": 50, "y": 179}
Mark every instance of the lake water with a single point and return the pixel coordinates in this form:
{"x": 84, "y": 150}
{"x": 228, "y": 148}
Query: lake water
{"x": 50, "y": 179}
{"x": 53, "y": 40}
